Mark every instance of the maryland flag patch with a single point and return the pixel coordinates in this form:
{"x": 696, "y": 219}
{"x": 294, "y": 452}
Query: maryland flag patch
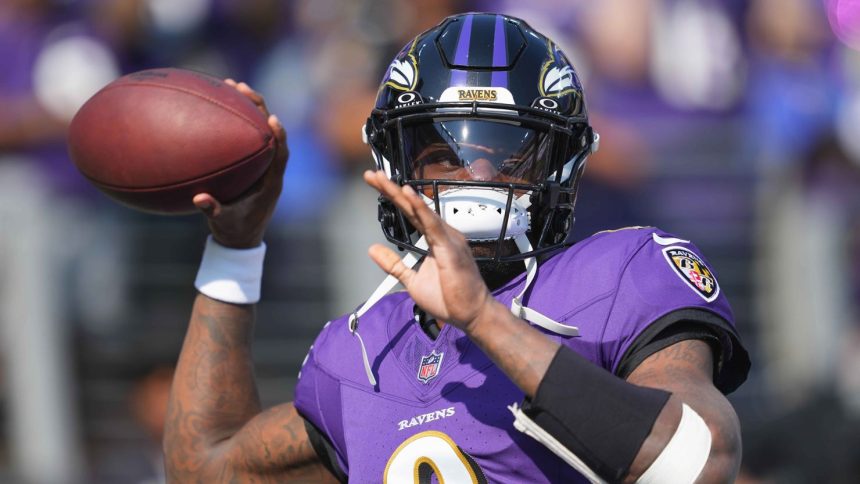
{"x": 693, "y": 271}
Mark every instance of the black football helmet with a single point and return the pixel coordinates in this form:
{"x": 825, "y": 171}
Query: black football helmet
{"x": 486, "y": 118}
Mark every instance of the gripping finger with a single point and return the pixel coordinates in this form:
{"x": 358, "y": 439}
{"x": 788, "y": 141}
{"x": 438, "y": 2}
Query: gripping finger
{"x": 207, "y": 204}
{"x": 251, "y": 94}
{"x": 281, "y": 136}
{"x": 256, "y": 97}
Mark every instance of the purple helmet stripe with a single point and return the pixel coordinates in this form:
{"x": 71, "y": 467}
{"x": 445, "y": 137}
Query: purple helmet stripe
{"x": 461, "y": 56}
{"x": 500, "y": 54}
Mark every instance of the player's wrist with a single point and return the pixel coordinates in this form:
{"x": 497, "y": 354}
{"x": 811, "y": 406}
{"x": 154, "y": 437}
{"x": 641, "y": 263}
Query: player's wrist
{"x": 240, "y": 225}
{"x": 490, "y": 310}
{"x": 231, "y": 274}
{"x": 229, "y": 229}
{"x": 238, "y": 243}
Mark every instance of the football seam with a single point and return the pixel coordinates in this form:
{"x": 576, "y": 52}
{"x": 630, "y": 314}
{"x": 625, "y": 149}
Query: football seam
{"x": 199, "y": 95}
{"x": 179, "y": 183}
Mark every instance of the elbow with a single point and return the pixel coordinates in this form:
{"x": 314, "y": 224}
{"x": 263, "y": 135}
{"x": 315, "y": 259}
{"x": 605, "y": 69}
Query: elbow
{"x": 725, "y": 458}
{"x": 179, "y": 463}
{"x": 187, "y": 457}
{"x": 703, "y": 449}
{"x": 176, "y": 453}
{"x": 187, "y": 465}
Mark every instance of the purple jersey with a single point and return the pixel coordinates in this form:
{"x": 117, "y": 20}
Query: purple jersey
{"x": 440, "y": 406}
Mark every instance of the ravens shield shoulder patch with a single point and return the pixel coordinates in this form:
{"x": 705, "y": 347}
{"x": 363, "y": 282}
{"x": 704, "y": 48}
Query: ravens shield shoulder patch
{"x": 693, "y": 271}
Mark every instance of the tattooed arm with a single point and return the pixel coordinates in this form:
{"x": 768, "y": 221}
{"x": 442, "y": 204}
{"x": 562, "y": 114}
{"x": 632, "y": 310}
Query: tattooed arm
{"x": 215, "y": 429}
{"x": 686, "y": 369}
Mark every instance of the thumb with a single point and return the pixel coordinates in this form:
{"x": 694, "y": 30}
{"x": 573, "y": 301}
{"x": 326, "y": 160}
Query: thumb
{"x": 207, "y": 204}
{"x": 391, "y": 263}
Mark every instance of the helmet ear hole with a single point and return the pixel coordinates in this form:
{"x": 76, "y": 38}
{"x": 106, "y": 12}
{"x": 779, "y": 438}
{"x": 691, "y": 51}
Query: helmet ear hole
{"x": 595, "y": 143}
{"x": 547, "y": 199}
{"x": 561, "y": 224}
{"x": 388, "y": 218}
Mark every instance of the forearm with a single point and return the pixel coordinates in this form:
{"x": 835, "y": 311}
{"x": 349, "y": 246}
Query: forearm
{"x": 526, "y": 356}
{"x": 519, "y": 350}
{"x": 213, "y": 393}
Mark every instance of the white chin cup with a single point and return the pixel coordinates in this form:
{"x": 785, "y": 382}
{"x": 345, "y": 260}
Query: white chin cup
{"x": 478, "y": 213}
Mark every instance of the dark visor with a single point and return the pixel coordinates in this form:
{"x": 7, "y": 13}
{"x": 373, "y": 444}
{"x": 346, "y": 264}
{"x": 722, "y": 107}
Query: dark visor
{"x": 476, "y": 150}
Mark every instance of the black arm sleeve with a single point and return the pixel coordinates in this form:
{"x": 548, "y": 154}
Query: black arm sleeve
{"x": 325, "y": 451}
{"x": 603, "y": 419}
{"x": 594, "y": 414}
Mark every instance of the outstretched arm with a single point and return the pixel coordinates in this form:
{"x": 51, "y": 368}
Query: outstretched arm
{"x": 649, "y": 404}
{"x": 216, "y": 430}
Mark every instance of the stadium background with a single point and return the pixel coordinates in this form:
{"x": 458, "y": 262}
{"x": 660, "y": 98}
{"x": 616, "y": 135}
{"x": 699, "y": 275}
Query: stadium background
{"x": 730, "y": 122}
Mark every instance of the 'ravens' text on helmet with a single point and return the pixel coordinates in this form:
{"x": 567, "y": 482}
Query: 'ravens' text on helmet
{"x": 486, "y": 118}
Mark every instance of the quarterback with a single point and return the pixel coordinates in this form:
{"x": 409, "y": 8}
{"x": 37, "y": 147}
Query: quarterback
{"x": 514, "y": 355}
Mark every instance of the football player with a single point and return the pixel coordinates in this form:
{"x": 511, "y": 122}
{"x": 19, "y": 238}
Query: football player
{"x": 514, "y": 355}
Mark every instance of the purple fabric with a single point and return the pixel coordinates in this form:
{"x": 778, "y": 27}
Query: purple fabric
{"x": 22, "y": 38}
{"x": 461, "y": 55}
{"x": 612, "y": 286}
{"x": 329, "y": 422}
{"x": 20, "y": 42}
{"x": 500, "y": 54}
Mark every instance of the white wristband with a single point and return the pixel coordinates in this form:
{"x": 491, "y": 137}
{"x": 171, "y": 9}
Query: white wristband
{"x": 231, "y": 275}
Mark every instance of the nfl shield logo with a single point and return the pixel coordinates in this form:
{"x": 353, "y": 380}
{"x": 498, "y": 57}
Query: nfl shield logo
{"x": 429, "y": 367}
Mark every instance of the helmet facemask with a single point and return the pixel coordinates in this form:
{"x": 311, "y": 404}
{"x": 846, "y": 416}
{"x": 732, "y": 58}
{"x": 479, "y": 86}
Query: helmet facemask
{"x": 492, "y": 173}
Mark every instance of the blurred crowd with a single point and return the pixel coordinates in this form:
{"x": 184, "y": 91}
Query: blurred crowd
{"x": 735, "y": 123}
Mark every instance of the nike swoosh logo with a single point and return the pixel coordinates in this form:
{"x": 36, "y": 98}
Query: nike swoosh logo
{"x": 668, "y": 240}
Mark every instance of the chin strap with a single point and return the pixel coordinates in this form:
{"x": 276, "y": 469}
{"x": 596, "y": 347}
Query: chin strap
{"x": 409, "y": 260}
{"x": 517, "y": 308}
{"x": 530, "y": 314}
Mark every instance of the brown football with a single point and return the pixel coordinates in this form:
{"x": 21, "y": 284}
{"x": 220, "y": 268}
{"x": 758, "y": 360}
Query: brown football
{"x": 155, "y": 138}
